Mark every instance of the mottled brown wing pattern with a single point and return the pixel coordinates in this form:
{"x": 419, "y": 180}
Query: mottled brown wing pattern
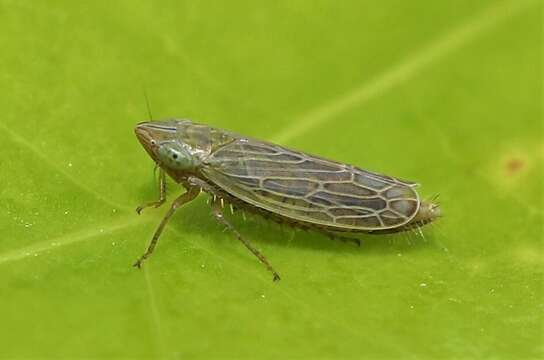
{"x": 311, "y": 189}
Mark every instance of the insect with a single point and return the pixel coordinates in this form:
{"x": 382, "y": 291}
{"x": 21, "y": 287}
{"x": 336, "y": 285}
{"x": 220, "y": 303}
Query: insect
{"x": 281, "y": 184}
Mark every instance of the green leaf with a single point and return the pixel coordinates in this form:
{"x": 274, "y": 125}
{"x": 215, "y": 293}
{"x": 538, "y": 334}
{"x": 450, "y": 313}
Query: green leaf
{"x": 445, "y": 93}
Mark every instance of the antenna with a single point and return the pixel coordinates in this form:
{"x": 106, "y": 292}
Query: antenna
{"x": 147, "y": 103}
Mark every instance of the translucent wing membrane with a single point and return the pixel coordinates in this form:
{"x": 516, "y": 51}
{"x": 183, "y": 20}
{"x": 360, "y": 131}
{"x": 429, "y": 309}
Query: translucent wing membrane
{"x": 311, "y": 189}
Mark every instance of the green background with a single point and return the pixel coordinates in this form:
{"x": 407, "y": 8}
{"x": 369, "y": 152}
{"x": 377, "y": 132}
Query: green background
{"x": 445, "y": 93}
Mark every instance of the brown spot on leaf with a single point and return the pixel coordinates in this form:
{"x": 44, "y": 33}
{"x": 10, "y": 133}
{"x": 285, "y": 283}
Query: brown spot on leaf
{"x": 514, "y": 166}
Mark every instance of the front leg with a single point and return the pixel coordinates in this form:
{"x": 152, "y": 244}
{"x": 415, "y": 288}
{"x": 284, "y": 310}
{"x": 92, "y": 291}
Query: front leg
{"x": 162, "y": 194}
{"x": 184, "y": 198}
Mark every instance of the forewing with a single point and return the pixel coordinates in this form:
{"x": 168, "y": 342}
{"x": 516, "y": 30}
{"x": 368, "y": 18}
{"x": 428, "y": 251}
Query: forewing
{"x": 311, "y": 189}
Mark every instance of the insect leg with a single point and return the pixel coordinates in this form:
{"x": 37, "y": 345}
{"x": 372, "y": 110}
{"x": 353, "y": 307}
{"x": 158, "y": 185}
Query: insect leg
{"x": 184, "y": 198}
{"x": 217, "y": 212}
{"x": 162, "y": 194}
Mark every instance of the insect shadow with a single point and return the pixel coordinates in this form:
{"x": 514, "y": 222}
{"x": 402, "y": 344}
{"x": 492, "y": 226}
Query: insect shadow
{"x": 271, "y": 233}
{"x": 196, "y": 219}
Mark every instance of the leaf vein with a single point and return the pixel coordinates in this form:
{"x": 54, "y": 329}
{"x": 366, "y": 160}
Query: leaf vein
{"x": 27, "y": 145}
{"x": 405, "y": 69}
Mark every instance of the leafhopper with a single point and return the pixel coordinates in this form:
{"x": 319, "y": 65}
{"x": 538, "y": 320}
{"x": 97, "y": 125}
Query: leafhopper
{"x": 281, "y": 184}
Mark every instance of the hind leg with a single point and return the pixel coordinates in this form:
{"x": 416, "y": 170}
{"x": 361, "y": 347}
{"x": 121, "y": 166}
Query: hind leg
{"x": 217, "y": 212}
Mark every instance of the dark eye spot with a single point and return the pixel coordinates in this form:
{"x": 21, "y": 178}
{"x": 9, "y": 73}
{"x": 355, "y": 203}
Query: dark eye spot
{"x": 175, "y": 156}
